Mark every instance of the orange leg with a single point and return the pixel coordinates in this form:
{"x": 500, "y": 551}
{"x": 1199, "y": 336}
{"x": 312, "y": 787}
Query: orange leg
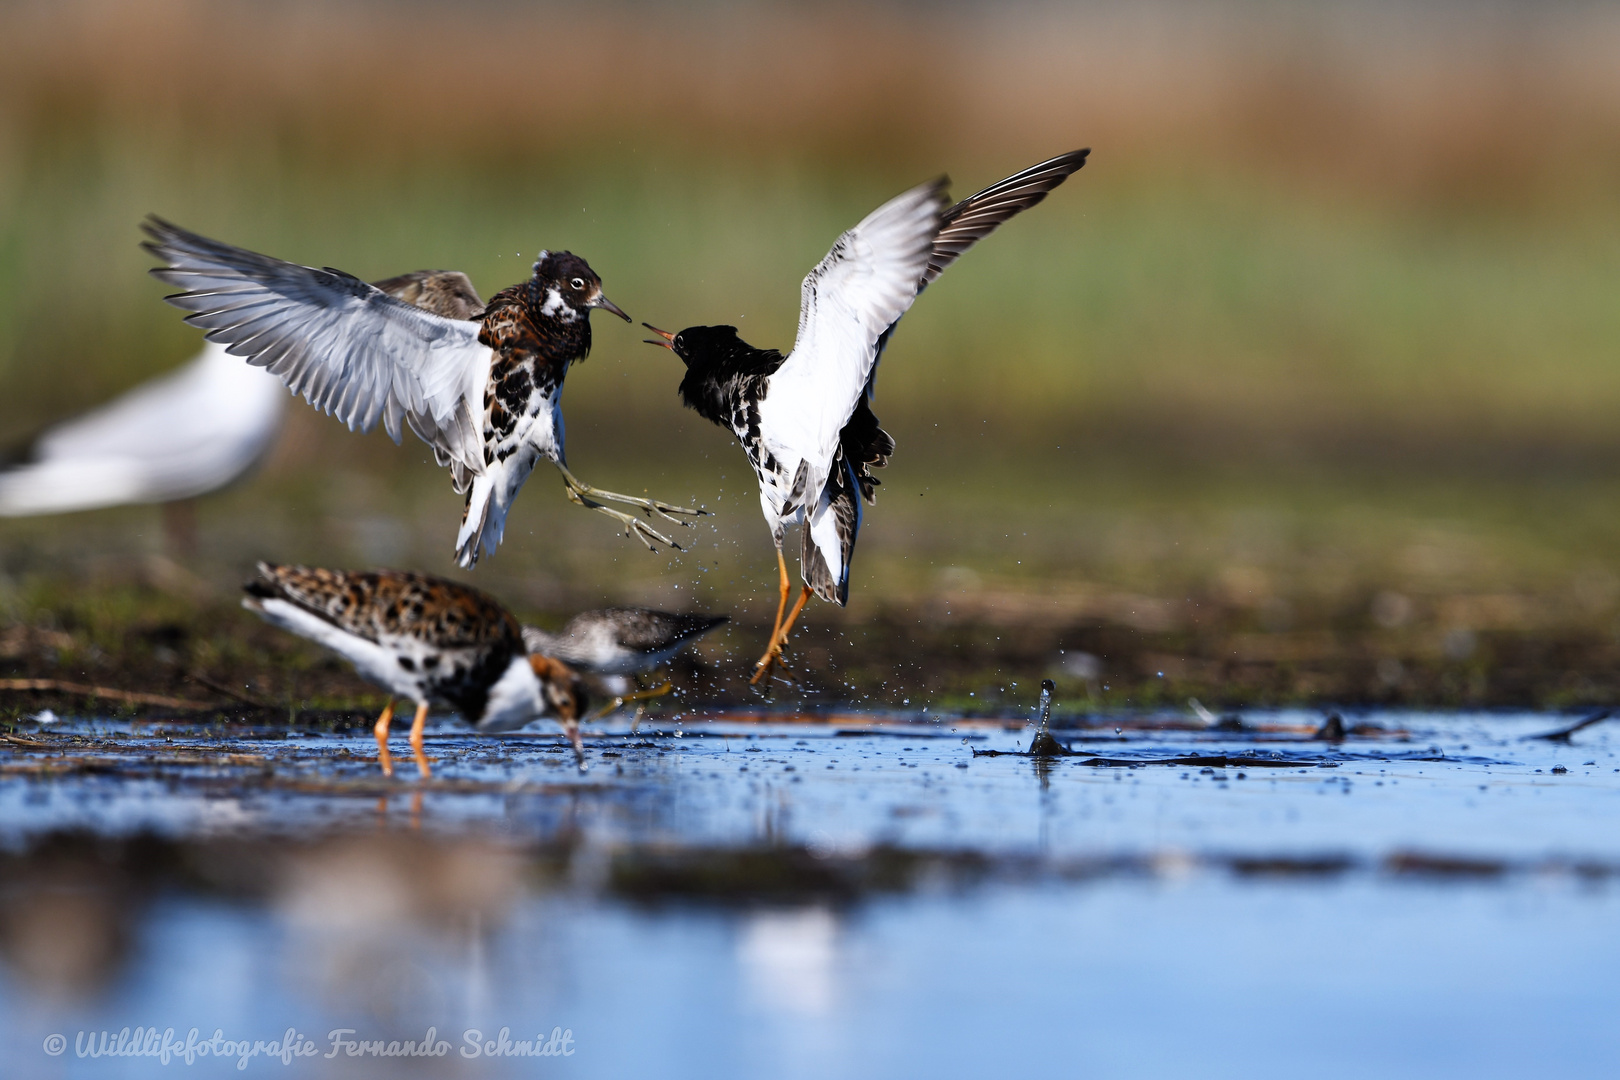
{"x": 640, "y": 695}
{"x": 416, "y": 739}
{"x": 773, "y": 650}
{"x": 381, "y": 729}
{"x": 779, "y": 640}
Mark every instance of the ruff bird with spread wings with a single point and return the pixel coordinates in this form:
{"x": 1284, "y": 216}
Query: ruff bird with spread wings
{"x": 186, "y": 432}
{"x": 483, "y": 389}
{"x": 805, "y": 419}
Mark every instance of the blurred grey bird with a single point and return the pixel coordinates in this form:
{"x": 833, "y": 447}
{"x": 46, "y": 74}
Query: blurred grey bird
{"x": 186, "y": 432}
{"x": 615, "y": 644}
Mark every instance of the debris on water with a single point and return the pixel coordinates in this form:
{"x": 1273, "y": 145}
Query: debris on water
{"x": 1332, "y": 729}
{"x": 1229, "y": 722}
{"x": 1043, "y": 745}
{"x": 1444, "y": 866}
{"x": 1562, "y": 734}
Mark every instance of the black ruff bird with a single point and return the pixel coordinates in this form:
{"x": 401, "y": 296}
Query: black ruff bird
{"x": 805, "y": 420}
{"x": 424, "y": 639}
{"x": 615, "y": 644}
{"x": 483, "y": 388}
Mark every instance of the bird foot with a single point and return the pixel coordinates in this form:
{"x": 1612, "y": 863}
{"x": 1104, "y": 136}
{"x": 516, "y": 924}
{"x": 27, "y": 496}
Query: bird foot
{"x": 589, "y": 495}
{"x": 652, "y": 506}
{"x": 771, "y": 659}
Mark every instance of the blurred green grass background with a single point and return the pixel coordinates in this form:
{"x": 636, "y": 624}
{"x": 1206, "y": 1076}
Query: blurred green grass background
{"x": 1331, "y": 315}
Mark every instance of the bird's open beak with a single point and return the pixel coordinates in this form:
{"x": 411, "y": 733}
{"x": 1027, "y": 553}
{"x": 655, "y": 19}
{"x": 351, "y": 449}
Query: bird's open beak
{"x": 605, "y": 304}
{"x": 665, "y": 334}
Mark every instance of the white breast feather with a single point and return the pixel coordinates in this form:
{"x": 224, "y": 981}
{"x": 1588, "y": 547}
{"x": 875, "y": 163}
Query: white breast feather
{"x": 866, "y": 282}
{"x": 514, "y": 700}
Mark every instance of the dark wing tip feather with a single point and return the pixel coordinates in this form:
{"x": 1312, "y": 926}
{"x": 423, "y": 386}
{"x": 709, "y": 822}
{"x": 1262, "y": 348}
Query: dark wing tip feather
{"x": 981, "y": 213}
{"x": 702, "y": 624}
{"x": 648, "y": 630}
{"x": 684, "y": 627}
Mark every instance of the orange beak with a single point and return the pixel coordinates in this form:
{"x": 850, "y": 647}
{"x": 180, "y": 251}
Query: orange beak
{"x": 668, "y": 338}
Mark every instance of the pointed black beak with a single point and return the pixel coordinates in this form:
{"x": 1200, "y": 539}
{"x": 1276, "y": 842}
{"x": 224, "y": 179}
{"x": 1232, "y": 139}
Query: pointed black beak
{"x": 605, "y": 304}
{"x": 668, "y": 338}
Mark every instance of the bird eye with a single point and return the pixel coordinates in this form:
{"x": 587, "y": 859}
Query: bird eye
{"x": 578, "y": 283}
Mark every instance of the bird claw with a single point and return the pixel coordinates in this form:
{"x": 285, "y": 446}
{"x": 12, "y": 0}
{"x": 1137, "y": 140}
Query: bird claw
{"x": 666, "y": 511}
{"x": 648, "y": 506}
{"x": 637, "y": 529}
{"x": 772, "y": 659}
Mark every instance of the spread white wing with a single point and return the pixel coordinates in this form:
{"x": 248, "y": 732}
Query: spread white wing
{"x": 348, "y": 347}
{"x": 178, "y": 435}
{"x": 866, "y": 282}
{"x": 981, "y": 214}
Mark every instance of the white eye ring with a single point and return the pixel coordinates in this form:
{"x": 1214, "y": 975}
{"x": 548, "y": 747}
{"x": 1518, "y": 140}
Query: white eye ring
{"x": 578, "y": 283}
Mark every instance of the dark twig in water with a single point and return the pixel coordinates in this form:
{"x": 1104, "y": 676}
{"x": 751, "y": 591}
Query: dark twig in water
{"x": 130, "y": 696}
{"x": 209, "y": 684}
{"x": 1562, "y": 734}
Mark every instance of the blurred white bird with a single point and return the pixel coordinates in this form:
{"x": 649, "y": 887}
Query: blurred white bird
{"x": 173, "y": 437}
{"x": 186, "y": 433}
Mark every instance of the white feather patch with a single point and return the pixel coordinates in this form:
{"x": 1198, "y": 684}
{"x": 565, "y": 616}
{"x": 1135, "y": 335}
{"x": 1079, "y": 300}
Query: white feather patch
{"x": 514, "y": 700}
{"x": 556, "y": 307}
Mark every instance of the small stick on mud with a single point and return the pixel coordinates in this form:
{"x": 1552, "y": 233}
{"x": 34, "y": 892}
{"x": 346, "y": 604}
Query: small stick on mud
{"x": 131, "y": 697}
{"x": 210, "y": 684}
{"x": 1562, "y": 734}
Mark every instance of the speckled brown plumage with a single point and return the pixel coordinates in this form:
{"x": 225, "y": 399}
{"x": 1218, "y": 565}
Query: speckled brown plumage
{"x": 533, "y": 352}
{"x": 426, "y": 639}
{"x": 375, "y": 603}
{"x": 449, "y": 293}
{"x": 451, "y": 640}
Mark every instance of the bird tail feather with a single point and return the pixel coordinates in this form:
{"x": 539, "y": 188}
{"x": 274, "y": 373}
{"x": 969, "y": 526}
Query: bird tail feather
{"x": 827, "y": 538}
{"x": 482, "y": 522}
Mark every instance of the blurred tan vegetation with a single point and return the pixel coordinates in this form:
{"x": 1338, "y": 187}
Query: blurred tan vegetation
{"x": 1339, "y": 285}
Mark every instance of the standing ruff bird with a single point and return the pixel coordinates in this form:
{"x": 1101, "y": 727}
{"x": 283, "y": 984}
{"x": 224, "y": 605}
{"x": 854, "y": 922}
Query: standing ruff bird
{"x": 616, "y": 644}
{"x": 482, "y": 388}
{"x": 805, "y": 419}
{"x": 424, "y": 639}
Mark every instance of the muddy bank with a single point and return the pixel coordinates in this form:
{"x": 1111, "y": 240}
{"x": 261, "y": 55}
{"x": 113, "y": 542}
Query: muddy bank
{"x": 155, "y": 652}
